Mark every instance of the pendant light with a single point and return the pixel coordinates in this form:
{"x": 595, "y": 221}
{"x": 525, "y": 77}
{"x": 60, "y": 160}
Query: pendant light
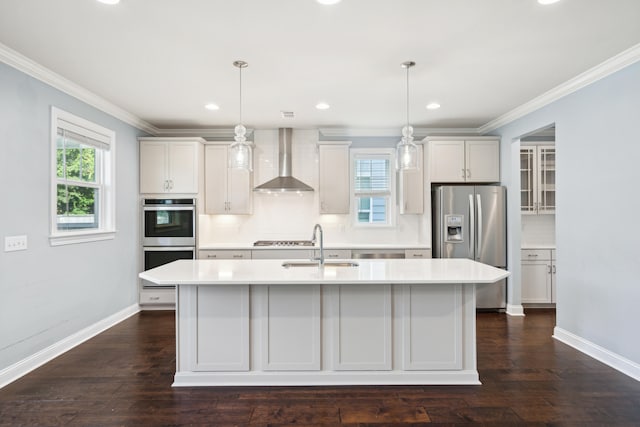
{"x": 407, "y": 151}
{"x": 240, "y": 151}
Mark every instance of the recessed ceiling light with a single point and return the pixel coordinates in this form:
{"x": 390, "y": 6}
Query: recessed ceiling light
{"x": 322, "y": 106}
{"x": 548, "y": 1}
{"x": 328, "y": 1}
{"x": 109, "y": 1}
{"x": 433, "y": 106}
{"x": 212, "y": 107}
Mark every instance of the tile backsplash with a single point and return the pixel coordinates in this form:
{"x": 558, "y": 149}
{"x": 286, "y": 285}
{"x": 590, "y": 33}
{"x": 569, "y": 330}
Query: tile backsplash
{"x": 292, "y": 216}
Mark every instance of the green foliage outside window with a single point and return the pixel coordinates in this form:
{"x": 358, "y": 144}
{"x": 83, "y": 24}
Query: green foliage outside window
{"x": 76, "y": 165}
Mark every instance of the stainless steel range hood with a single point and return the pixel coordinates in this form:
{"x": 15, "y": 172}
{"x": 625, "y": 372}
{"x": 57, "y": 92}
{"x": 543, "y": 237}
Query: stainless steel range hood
{"x": 284, "y": 182}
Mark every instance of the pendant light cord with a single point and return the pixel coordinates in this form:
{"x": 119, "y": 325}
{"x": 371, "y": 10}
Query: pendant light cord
{"x": 240, "y": 103}
{"x": 408, "y": 96}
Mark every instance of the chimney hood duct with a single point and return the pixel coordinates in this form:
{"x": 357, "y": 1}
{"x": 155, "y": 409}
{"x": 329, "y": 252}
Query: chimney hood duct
{"x": 284, "y": 182}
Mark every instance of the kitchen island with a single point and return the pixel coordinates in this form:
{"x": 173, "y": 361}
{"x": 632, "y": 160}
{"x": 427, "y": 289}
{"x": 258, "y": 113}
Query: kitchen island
{"x": 380, "y": 322}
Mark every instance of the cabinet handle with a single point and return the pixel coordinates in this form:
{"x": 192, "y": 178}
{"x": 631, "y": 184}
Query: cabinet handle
{"x": 464, "y": 174}
{"x": 532, "y": 255}
{"x": 332, "y": 256}
{"x": 166, "y": 185}
{"x": 468, "y": 173}
{"x": 154, "y": 298}
{"x": 549, "y": 269}
{"x": 554, "y": 269}
{"x": 417, "y": 255}
{"x": 237, "y": 256}
{"x": 212, "y": 256}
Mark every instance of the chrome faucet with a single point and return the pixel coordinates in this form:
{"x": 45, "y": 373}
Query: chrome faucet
{"x": 313, "y": 239}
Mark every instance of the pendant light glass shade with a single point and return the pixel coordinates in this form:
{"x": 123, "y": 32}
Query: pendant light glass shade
{"x": 407, "y": 150}
{"x": 240, "y": 151}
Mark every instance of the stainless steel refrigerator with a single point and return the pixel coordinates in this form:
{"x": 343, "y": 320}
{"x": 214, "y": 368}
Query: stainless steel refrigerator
{"x": 470, "y": 221}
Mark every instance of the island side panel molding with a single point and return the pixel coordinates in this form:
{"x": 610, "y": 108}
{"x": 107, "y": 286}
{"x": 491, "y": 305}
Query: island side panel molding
{"x": 219, "y": 328}
{"x": 290, "y": 327}
{"x": 361, "y": 327}
{"x": 468, "y": 309}
{"x": 432, "y": 333}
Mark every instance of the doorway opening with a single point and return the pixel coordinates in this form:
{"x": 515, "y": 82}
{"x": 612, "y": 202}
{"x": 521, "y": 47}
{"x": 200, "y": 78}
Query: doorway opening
{"x": 538, "y": 219}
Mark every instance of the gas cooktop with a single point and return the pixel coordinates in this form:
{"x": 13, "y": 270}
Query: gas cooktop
{"x": 283, "y": 243}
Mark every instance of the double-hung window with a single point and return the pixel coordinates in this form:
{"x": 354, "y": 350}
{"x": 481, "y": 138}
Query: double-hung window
{"x": 82, "y": 180}
{"x": 373, "y": 187}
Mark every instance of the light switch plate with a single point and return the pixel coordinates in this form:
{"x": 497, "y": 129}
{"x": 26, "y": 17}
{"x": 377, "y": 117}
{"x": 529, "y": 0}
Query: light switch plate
{"x": 15, "y": 243}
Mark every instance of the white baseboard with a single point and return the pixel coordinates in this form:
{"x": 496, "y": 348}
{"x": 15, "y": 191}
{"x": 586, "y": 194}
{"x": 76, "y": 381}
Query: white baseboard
{"x": 23, "y": 367}
{"x": 624, "y": 365}
{"x": 515, "y": 310}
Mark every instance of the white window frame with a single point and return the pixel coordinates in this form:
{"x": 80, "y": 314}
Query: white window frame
{"x": 105, "y": 180}
{"x": 388, "y": 154}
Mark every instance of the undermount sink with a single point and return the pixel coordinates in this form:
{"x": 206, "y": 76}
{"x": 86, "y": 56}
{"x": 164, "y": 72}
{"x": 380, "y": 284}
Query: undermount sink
{"x": 288, "y": 264}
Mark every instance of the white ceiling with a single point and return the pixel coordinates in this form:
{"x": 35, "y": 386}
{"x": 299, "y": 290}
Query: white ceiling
{"x": 162, "y": 60}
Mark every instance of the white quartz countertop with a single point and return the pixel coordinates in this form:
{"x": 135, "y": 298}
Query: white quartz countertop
{"x": 538, "y": 246}
{"x": 358, "y": 246}
{"x": 271, "y": 272}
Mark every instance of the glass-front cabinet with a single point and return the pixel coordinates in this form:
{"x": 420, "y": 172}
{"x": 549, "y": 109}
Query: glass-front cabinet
{"x": 538, "y": 179}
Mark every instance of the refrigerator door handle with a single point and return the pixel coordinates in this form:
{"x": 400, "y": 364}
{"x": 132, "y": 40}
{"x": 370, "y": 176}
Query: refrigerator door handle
{"x": 472, "y": 230}
{"x": 479, "y": 245}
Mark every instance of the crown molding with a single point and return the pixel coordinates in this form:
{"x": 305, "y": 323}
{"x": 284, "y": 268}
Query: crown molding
{"x": 37, "y": 71}
{"x": 418, "y": 132}
{"x": 215, "y": 133}
{"x": 604, "y": 69}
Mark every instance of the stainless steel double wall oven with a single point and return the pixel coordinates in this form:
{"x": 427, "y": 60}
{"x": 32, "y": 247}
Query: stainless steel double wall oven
{"x": 168, "y": 231}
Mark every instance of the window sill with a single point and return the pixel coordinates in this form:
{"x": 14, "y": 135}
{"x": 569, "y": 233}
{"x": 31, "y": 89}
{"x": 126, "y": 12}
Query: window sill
{"x": 84, "y": 237}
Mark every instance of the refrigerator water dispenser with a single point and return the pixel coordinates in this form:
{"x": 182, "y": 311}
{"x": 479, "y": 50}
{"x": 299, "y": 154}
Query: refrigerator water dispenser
{"x": 453, "y": 226}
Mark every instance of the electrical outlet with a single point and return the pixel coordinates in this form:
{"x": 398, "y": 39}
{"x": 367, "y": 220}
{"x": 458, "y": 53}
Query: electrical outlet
{"x": 15, "y": 243}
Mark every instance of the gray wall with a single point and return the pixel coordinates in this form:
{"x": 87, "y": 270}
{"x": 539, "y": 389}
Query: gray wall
{"x": 48, "y": 293}
{"x": 598, "y": 170}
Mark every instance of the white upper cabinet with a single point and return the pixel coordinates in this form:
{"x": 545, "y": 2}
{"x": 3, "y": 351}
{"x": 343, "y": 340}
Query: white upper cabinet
{"x": 227, "y": 191}
{"x": 470, "y": 159}
{"x": 538, "y": 179}
{"x": 170, "y": 165}
{"x": 333, "y": 188}
{"x": 412, "y": 188}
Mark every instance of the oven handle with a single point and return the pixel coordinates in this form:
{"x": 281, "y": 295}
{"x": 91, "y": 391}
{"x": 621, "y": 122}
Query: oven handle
{"x": 168, "y": 248}
{"x": 169, "y": 208}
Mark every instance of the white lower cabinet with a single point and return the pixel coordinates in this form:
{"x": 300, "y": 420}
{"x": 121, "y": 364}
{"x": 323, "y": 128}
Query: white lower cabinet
{"x": 538, "y": 276}
{"x": 223, "y": 317}
{"x": 326, "y": 334}
{"x": 417, "y": 253}
{"x": 282, "y": 253}
{"x": 361, "y": 327}
{"x": 290, "y": 327}
{"x": 156, "y": 296}
{"x": 223, "y": 254}
{"x": 430, "y": 317}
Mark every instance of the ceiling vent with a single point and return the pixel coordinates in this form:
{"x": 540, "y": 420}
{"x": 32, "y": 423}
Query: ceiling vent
{"x": 287, "y": 114}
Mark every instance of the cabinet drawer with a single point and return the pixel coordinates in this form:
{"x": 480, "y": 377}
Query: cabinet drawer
{"x": 535, "y": 254}
{"x": 282, "y": 254}
{"x": 335, "y": 253}
{"x": 223, "y": 254}
{"x": 159, "y": 296}
{"x": 417, "y": 253}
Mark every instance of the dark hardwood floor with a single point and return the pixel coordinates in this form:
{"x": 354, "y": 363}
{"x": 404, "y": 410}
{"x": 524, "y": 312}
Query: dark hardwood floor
{"x": 123, "y": 377}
